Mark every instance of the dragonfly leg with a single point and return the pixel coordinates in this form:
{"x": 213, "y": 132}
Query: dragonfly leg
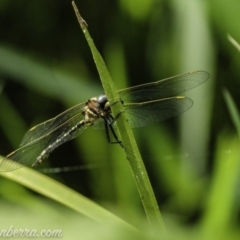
{"x": 120, "y": 100}
{"x": 115, "y": 119}
{"x": 108, "y": 125}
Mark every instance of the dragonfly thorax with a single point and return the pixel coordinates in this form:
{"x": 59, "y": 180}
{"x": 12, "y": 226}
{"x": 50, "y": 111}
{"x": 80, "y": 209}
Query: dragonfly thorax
{"x": 96, "y": 107}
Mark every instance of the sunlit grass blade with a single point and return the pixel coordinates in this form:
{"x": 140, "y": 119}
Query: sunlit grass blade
{"x": 64, "y": 195}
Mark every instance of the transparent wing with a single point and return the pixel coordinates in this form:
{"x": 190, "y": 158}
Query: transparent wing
{"x": 27, "y": 154}
{"x": 7, "y": 165}
{"x": 164, "y": 88}
{"x": 51, "y": 124}
{"x": 142, "y": 114}
{"x": 99, "y": 125}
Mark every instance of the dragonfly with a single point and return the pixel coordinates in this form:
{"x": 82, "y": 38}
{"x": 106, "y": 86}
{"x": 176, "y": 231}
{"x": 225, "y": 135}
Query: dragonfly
{"x": 143, "y": 105}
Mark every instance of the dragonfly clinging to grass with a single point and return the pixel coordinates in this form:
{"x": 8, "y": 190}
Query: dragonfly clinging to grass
{"x": 143, "y": 104}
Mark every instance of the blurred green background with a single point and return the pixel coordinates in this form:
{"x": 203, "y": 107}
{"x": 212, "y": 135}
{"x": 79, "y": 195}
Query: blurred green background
{"x": 46, "y": 67}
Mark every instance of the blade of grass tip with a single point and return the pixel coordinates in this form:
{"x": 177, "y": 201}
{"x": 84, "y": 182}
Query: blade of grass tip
{"x": 137, "y": 166}
{"x": 64, "y": 195}
{"x": 232, "y": 107}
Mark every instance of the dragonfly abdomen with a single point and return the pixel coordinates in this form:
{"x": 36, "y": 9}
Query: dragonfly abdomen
{"x": 91, "y": 114}
{"x": 62, "y": 139}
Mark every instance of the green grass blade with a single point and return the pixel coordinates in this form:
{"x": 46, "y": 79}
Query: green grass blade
{"x": 221, "y": 208}
{"x": 64, "y": 195}
{"x": 232, "y": 107}
{"x": 137, "y": 166}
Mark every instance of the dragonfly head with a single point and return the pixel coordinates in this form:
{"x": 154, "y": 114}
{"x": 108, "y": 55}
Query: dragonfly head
{"x": 103, "y": 101}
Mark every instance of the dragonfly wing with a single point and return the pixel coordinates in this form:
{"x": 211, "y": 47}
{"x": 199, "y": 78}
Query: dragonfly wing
{"x": 7, "y": 165}
{"x": 142, "y": 114}
{"x": 48, "y": 126}
{"x": 27, "y": 154}
{"x": 99, "y": 125}
{"x": 164, "y": 88}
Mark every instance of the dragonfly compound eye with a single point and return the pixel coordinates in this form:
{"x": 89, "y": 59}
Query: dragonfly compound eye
{"x": 102, "y": 101}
